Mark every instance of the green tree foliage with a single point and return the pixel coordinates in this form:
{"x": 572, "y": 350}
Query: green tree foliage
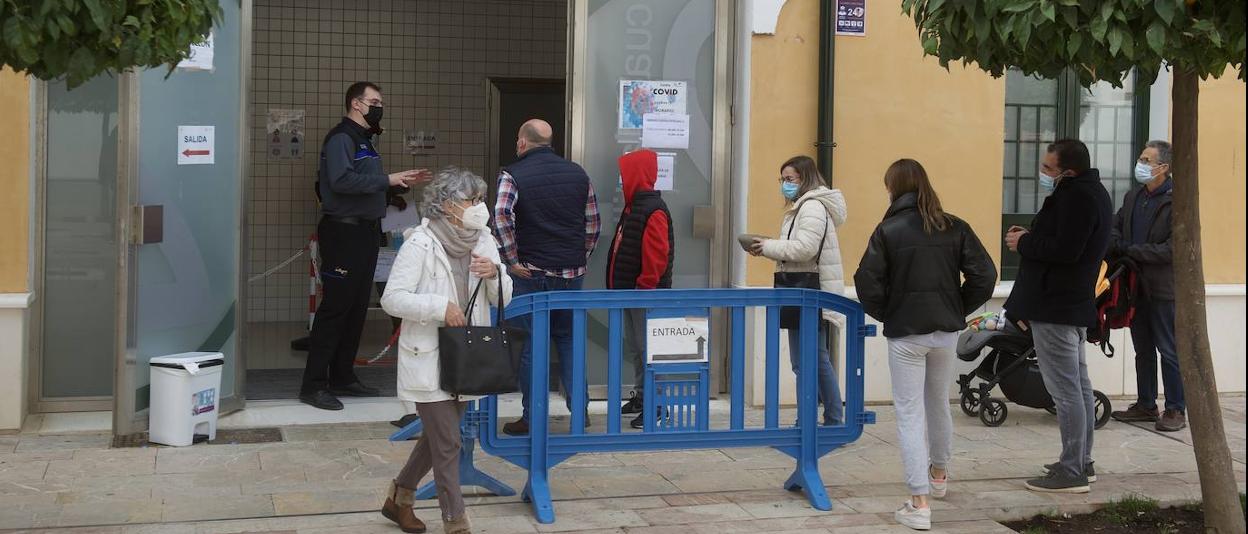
{"x": 80, "y": 39}
{"x": 1100, "y": 40}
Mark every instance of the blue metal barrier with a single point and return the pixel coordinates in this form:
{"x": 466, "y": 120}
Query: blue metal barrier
{"x": 469, "y": 475}
{"x": 806, "y": 442}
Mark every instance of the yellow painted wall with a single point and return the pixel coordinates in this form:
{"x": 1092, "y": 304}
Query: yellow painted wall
{"x": 1222, "y": 176}
{"x": 891, "y": 102}
{"x": 14, "y": 181}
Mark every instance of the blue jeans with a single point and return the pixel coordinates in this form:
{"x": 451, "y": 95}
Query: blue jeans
{"x": 829, "y": 385}
{"x": 560, "y": 333}
{"x": 1152, "y": 331}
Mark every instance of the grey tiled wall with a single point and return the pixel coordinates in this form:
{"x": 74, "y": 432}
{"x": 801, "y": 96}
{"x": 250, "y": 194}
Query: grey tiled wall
{"x": 431, "y": 58}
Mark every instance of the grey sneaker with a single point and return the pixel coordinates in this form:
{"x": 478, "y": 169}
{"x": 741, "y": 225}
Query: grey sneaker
{"x": 1088, "y": 471}
{"x": 939, "y": 487}
{"x": 1054, "y": 483}
{"x": 915, "y": 518}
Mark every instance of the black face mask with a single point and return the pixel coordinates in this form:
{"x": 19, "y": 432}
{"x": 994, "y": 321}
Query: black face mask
{"x": 373, "y": 117}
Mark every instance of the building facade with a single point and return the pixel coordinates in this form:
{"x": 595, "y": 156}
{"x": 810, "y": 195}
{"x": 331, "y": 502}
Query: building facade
{"x": 117, "y": 253}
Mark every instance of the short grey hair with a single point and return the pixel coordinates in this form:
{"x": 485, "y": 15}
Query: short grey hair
{"x": 451, "y": 183}
{"x": 1165, "y": 153}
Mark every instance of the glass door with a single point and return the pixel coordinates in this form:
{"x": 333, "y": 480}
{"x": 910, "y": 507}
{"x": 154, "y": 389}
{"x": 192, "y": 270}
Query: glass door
{"x": 183, "y": 143}
{"x": 630, "y": 58}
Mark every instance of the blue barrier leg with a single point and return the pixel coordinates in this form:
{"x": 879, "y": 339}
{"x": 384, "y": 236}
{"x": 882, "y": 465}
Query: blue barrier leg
{"x": 469, "y": 475}
{"x": 537, "y": 489}
{"x": 806, "y": 475}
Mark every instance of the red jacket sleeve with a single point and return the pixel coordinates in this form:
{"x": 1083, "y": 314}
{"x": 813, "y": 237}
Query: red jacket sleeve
{"x": 654, "y": 251}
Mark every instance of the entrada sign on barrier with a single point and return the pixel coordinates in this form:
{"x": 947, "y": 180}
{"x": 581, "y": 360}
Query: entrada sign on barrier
{"x": 806, "y": 442}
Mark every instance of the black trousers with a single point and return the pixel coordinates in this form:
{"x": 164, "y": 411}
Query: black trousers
{"x": 348, "y": 259}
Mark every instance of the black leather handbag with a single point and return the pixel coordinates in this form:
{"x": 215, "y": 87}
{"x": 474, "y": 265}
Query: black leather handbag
{"x": 791, "y": 316}
{"x": 480, "y": 360}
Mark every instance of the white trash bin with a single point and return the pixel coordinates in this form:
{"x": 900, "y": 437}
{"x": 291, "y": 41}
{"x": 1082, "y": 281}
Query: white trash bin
{"x": 185, "y": 395}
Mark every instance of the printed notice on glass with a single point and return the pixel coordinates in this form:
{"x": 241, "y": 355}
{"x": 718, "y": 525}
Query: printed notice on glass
{"x": 195, "y": 145}
{"x": 851, "y": 17}
{"x": 677, "y": 339}
{"x": 639, "y": 97}
{"x": 665, "y": 130}
{"x": 666, "y": 180}
{"x": 200, "y": 58}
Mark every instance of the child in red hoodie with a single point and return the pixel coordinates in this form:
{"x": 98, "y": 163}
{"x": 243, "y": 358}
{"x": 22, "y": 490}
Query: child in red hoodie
{"x": 642, "y": 254}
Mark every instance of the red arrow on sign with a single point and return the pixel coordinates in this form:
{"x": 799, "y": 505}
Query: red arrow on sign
{"x": 188, "y": 152}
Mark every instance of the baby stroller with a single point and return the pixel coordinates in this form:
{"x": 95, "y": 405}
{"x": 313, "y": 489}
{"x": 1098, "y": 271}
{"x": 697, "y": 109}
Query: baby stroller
{"x": 1011, "y": 364}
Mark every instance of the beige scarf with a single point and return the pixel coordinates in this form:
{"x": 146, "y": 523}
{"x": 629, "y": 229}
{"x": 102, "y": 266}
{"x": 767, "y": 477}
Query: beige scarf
{"x": 458, "y": 242}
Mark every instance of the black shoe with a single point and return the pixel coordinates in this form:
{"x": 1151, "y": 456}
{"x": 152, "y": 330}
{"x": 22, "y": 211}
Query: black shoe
{"x": 301, "y": 344}
{"x": 321, "y": 399}
{"x": 640, "y": 423}
{"x": 1054, "y": 483}
{"x": 405, "y": 420}
{"x": 355, "y": 390}
{"x": 634, "y": 405}
{"x": 519, "y": 427}
{"x": 1088, "y": 470}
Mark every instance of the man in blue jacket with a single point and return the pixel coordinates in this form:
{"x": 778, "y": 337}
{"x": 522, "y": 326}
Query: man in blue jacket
{"x": 1054, "y": 297}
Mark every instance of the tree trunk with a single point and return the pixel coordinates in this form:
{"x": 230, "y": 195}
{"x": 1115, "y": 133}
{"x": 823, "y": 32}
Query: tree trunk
{"x": 1218, "y": 489}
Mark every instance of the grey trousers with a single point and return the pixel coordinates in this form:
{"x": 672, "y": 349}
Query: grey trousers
{"x": 438, "y": 450}
{"x": 1060, "y": 354}
{"x": 635, "y": 346}
{"x": 921, "y": 377}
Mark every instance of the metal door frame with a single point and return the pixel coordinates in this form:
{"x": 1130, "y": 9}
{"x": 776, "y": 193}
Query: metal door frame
{"x": 125, "y": 419}
{"x": 719, "y": 269}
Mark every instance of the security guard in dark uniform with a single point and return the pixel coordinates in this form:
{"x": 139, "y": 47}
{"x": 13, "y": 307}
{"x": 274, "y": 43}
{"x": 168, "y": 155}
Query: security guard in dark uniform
{"x": 352, "y": 188}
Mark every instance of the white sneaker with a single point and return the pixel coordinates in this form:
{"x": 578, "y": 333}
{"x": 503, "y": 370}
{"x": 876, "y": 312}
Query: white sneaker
{"x": 938, "y": 487}
{"x": 915, "y": 518}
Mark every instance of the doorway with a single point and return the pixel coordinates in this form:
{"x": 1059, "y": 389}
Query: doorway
{"x": 514, "y": 101}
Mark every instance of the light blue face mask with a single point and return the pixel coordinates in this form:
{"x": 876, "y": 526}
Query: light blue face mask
{"x": 1047, "y": 183}
{"x": 789, "y": 190}
{"x": 1143, "y": 172}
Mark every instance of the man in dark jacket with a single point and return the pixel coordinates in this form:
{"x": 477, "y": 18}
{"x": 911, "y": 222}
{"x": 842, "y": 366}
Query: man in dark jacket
{"x": 546, "y": 220}
{"x": 642, "y": 254}
{"x": 1142, "y": 236}
{"x": 1054, "y": 297}
{"x": 352, "y": 187}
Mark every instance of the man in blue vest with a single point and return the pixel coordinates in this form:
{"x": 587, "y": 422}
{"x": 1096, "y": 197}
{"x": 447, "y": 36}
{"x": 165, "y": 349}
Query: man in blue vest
{"x": 547, "y": 223}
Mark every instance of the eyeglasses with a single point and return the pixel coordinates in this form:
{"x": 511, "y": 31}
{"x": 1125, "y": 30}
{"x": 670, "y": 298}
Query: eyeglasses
{"x": 791, "y": 179}
{"x": 373, "y": 102}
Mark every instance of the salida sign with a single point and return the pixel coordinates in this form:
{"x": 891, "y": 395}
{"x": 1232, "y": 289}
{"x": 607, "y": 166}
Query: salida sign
{"x": 195, "y": 145}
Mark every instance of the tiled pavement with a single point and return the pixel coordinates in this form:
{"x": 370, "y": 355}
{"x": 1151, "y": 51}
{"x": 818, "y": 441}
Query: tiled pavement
{"x": 330, "y": 479}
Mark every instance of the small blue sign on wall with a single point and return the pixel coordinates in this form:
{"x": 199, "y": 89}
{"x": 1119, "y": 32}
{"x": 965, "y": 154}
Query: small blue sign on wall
{"x": 851, "y": 17}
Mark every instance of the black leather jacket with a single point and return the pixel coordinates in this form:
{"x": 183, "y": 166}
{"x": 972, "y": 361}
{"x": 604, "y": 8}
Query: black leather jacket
{"x": 912, "y": 281}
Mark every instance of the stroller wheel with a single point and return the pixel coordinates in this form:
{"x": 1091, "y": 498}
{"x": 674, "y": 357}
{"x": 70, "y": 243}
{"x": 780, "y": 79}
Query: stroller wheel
{"x": 970, "y": 402}
{"x": 993, "y": 413}
{"x": 1103, "y": 408}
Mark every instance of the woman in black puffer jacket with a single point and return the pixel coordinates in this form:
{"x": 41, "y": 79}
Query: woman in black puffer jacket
{"x": 911, "y": 278}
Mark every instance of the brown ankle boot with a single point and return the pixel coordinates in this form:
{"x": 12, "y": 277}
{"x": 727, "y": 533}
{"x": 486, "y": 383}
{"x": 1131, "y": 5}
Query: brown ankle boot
{"x": 457, "y": 526}
{"x": 398, "y": 508}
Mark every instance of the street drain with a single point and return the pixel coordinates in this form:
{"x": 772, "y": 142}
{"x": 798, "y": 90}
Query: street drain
{"x": 224, "y": 437}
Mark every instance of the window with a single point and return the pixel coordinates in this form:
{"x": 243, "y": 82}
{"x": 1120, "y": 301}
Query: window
{"x": 1111, "y": 121}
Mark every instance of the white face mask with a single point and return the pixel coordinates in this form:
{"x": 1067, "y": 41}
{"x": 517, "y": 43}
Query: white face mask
{"x": 1143, "y": 172}
{"x": 475, "y": 217}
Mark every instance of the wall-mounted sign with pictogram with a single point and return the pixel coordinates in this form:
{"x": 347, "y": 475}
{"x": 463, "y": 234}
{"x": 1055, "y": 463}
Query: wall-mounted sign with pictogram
{"x": 195, "y": 145}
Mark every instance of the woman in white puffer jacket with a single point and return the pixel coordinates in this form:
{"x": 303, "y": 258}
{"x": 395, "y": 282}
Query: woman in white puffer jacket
{"x": 808, "y": 244}
{"x": 439, "y": 265}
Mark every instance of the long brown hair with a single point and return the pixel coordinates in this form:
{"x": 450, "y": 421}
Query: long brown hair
{"x": 808, "y": 171}
{"x": 907, "y": 176}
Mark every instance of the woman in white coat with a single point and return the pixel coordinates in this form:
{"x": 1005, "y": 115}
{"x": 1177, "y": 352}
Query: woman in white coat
{"x": 442, "y": 261}
{"x": 808, "y": 244}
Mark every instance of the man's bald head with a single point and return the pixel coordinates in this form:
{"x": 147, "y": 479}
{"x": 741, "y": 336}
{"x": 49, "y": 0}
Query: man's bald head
{"x": 533, "y": 134}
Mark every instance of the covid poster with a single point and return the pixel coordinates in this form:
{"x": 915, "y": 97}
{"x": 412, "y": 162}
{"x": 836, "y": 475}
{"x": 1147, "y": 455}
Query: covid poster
{"x": 641, "y": 97}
